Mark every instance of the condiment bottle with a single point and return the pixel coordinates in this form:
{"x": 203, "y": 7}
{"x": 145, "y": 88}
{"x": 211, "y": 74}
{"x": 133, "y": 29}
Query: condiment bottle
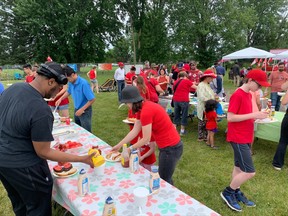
{"x": 134, "y": 161}
{"x": 269, "y": 103}
{"x": 272, "y": 110}
{"x": 109, "y": 207}
{"x": 125, "y": 156}
{"x": 83, "y": 183}
{"x": 97, "y": 159}
{"x": 154, "y": 181}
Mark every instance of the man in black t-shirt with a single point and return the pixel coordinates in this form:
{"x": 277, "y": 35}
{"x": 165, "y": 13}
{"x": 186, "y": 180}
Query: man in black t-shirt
{"x": 25, "y": 136}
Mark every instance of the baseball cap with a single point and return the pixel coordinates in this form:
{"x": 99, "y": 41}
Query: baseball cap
{"x": 259, "y": 76}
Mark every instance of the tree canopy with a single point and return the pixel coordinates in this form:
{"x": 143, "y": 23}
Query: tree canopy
{"x": 138, "y": 30}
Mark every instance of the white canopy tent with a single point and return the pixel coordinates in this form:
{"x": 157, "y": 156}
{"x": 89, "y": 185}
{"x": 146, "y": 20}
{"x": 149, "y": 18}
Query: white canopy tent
{"x": 282, "y": 55}
{"x": 249, "y": 53}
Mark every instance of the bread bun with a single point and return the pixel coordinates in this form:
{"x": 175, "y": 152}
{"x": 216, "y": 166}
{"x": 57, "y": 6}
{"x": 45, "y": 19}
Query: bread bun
{"x": 132, "y": 119}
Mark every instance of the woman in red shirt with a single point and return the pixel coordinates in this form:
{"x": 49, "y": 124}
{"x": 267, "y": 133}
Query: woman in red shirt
{"x": 92, "y": 74}
{"x": 163, "y": 80}
{"x": 130, "y": 76}
{"x": 153, "y": 120}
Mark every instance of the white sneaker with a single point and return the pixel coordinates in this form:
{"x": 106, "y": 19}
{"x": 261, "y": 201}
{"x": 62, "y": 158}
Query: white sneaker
{"x": 277, "y": 168}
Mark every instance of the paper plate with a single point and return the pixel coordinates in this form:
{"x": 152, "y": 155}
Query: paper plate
{"x": 266, "y": 120}
{"x": 110, "y": 160}
{"x": 67, "y": 176}
{"x": 127, "y": 122}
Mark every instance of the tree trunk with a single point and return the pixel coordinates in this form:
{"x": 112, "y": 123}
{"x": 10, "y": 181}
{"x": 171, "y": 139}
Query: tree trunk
{"x": 133, "y": 41}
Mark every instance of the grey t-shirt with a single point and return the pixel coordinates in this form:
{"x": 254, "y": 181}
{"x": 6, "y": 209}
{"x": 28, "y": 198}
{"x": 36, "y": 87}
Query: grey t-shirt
{"x": 24, "y": 117}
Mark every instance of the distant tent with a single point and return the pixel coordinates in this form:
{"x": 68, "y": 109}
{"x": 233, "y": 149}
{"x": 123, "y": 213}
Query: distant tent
{"x": 249, "y": 53}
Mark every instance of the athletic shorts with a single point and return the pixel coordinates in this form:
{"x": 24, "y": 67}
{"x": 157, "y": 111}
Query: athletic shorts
{"x": 63, "y": 107}
{"x": 242, "y": 157}
{"x": 93, "y": 80}
{"x": 215, "y": 130}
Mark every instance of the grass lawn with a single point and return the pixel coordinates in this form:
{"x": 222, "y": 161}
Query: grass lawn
{"x": 202, "y": 172}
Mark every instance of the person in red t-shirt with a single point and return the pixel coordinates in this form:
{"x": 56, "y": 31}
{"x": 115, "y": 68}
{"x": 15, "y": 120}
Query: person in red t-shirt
{"x": 163, "y": 79}
{"x": 181, "y": 101}
{"x": 194, "y": 75}
{"x": 29, "y": 73}
{"x": 154, "y": 88}
{"x": 153, "y": 120}
{"x": 211, "y": 122}
{"x": 64, "y": 104}
{"x": 92, "y": 75}
{"x": 130, "y": 76}
{"x": 240, "y": 134}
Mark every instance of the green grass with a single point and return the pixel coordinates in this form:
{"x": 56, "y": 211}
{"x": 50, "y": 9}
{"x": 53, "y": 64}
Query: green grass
{"x": 202, "y": 172}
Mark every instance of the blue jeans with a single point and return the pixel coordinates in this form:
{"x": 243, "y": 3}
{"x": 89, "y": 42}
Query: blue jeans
{"x": 181, "y": 113}
{"x": 280, "y": 153}
{"x": 85, "y": 120}
{"x": 275, "y": 98}
{"x": 120, "y": 86}
{"x": 168, "y": 158}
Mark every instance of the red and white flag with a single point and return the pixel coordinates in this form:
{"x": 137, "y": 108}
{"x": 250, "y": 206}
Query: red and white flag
{"x": 255, "y": 61}
{"x": 259, "y": 62}
{"x": 264, "y": 63}
{"x": 270, "y": 60}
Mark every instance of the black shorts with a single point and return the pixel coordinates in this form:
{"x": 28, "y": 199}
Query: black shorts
{"x": 242, "y": 157}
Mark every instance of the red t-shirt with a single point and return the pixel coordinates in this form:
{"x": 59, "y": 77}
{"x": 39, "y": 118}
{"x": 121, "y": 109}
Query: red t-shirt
{"x": 92, "y": 74}
{"x": 211, "y": 120}
{"x": 29, "y": 79}
{"x": 163, "y": 130}
{"x": 129, "y": 77}
{"x": 63, "y": 102}
{"x": 151, "y": 84}
{"x": 163, "y": 79}
{"x": 146, "y": 96}
{"x": 240, "y": 132}
{"x": 194, "y": 76}
{"x": 182, "y": 91}
{"x": 154, "y": 72}
{"x": 151, "y": 158}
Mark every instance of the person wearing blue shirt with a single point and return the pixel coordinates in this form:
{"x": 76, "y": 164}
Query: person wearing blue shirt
{"x": 83, "y": 98}
{"x": 1, "y": 88}
{"x": 220, "y": 70}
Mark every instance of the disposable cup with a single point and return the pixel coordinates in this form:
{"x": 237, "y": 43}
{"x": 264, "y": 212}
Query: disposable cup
{"x": 99, "y": 170}
{"x": 141, "y": 196}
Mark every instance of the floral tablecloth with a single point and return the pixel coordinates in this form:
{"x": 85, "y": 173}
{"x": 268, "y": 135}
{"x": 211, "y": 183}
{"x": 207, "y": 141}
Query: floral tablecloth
{"x": 119, "y": 183}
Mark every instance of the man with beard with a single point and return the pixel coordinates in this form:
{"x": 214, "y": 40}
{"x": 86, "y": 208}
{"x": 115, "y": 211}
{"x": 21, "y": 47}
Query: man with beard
{"x": 194, "y": 74}
{"x": 25, "y": 136}
{"x": 83, "y": 98}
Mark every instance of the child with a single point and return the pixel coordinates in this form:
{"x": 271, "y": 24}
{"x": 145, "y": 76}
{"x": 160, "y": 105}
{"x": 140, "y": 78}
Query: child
{"x": 240, "y": 135}
{"x": 211, "y": 123}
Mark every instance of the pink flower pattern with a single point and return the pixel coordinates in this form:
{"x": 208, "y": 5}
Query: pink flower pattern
{"x": 151, "y": 201}
{"x": 110, "y": 171}
{"x": 126, "y": 183}
{"x": 73, "y": 182}
{"x": 88, "y": 213}
{"x": 126, "y": 198}
{"x": 72, "y": 195}
{"x": 108, "y": 182}
{"x": 89, "y": 198}
{"x": 184, "y": 199}
{"x": 120, "y": 185}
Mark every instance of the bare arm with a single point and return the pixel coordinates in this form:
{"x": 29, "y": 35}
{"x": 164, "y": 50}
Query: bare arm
{"x": 65, "y": 95}
{"x": 285, "y": 99}
{"x": 151, "y": 150}
{"x": 146, "y": 131}
{"x": 232, "y": 117}
{"x": 131, "y": 135}
{"x": 82, "y": 109}
{"x": 44, "y": 151}
{"x": 159, "y": 89}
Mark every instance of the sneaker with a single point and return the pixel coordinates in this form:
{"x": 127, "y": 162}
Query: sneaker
{"x": 183, "y": 133}
{"x": 242, "y": 198}
{"x": 277, "y": 168}
{"x": 231, "y": 200}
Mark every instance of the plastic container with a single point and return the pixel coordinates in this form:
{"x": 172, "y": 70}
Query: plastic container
{"x": 97, "y": 159}
{"x": 83, "y": 183}
{"x": 109, "y": 207}
{"x": 125, "y": 156}
{"x": 154, "y": 181}
{"x": 134, "y": 161}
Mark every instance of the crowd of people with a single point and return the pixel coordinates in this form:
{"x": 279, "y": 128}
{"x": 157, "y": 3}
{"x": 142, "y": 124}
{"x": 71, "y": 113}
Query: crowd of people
{"x": 153, "y": 126}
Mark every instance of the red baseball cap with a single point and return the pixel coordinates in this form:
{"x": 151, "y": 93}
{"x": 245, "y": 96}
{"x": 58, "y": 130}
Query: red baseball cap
{"x": 120, "y": 64}
{"x": 259, "y": 76}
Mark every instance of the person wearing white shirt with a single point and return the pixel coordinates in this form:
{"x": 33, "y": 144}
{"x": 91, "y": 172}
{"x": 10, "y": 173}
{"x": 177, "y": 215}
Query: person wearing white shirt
{"x": 119, "y": 76}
